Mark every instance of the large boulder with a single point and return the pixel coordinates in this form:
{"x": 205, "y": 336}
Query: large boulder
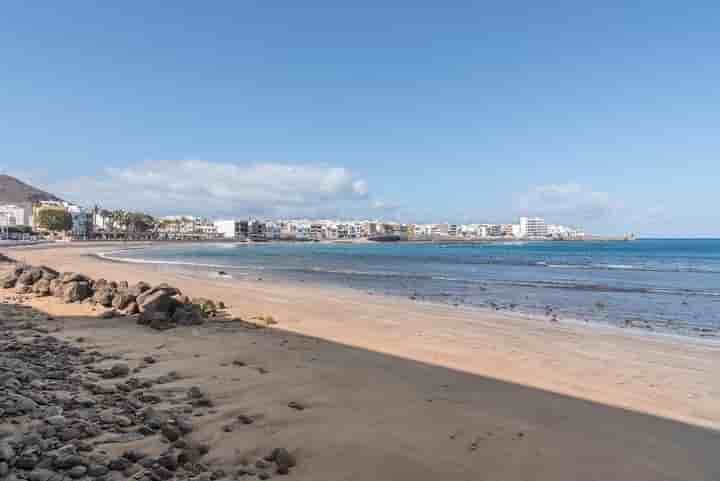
{"x": 132, "y": 309}
{"x": 20, "y": 268}
{"x": 9, "y": 280}
{"x": 173, "y": 291}
{"x": 169, "y": 290}
{"x": 122, "y": 299}
{"x": 30, "y": 276}
{"x": 76, "y": 291}
{"x": 147, "y": 317}
{"x": 104, "y": 296}
{"x": 139, "y": 288}
{"x": 158, "y": 301}
{"x": 49, "y": 273}
{"x": 56, "y": 288}
{"x": 188, "y": 316}
{"x": 68, "y": 277}
{"x": 42, "y": 287}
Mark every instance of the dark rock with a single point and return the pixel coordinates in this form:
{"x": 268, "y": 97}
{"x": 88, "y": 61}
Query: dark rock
{"x": 119, "y": 464}
{"x": 68, "y": 277}
{"x": 139, "y": 288}
{"x": 104, "y": 296}
{"x": 122, "y": 300}
{"x": 56, "y": 288}
{"x": 49, "y": 273}
{"x": 30, "y": 276}
{"x": 41, "y": 475}
{"x": 184, "y": 425}
{"x": 245, "y": 419}
{"x": 26, "y": 461}
{"x": 283, "y": 458}
{"x": 190, "y": 455}
{"x": 119, "y": 370}
{"x": 9, "y": 280}
{"x": 134, "y": 455}
{"x": 97, "y": 470}
{"x": 68, "y": 461}
{"x": 75, "y": 291}
{"x": 188, "y": 316}
{"x": 156, "y": 301}
{"x": 195, "y": 393}
{"x": 42, "y": 287}
{"x": 69, "y": 434}
{"x": 132, "y": 309}
{"x": 171, "y": 433}
{"x": 163, "y": 474}
{"x": 6, "y": 452}
{"x": 77, "y": 472}
{"x": 168, "y": 461}
{"x": 296, "y": 405}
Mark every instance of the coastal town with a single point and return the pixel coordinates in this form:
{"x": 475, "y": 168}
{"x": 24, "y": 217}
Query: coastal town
{"x": 61, "y": 220}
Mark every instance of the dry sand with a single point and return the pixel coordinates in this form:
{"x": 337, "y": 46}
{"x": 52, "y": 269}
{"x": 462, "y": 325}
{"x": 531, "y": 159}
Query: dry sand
{"x": 400, "y": 390}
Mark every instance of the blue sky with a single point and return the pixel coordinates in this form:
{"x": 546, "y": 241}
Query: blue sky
{"x": 603, "y": 116}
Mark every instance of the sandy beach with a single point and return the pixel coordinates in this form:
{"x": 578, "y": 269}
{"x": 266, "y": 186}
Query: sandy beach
{"x": 396, "y": 389}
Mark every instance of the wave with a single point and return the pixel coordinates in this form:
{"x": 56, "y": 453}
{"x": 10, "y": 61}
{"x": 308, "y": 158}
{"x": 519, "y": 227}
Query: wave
{"x": 438, "y": 277}
{"x": 131, "y": 260}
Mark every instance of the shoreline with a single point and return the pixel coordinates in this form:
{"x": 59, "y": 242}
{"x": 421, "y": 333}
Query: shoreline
{"x": 638, "y": 326}
{"x": 489, "y": 343}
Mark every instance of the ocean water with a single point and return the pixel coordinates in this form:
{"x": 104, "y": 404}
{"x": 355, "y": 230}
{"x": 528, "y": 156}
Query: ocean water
{"x": 658, "y": 285}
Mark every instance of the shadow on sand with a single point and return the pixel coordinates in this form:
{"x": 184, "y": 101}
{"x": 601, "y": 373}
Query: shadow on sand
{"x": 374, "y": 416}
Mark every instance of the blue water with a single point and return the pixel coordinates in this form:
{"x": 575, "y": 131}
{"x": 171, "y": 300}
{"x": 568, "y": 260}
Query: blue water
{"x": 659, "y": 285}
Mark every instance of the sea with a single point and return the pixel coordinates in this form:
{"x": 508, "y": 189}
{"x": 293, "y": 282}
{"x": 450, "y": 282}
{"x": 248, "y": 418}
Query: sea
{"x": 659, "y": 285}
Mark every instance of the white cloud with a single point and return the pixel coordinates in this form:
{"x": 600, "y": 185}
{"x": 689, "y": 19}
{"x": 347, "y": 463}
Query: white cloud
{"x": 220, "y": 189}
{"x": 571, "y": 202}
{"x": 360, "y": 187}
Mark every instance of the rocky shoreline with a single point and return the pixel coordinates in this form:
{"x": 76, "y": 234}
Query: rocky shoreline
{"x": 160, "y": 307}
{"x": 65, "y": 407}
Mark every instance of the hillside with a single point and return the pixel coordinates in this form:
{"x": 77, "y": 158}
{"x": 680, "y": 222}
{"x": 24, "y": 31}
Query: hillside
{"x": 14, "y": 191}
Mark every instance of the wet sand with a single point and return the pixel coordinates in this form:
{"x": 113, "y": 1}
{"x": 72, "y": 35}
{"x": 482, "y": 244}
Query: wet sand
{"x": 400, "y": 390}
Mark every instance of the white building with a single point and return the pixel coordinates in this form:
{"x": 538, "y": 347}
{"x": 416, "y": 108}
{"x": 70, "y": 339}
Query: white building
{"x": 82, "y": 221}
{"x": 563, "y": 232}
{"x": 14, "y": 215}
{"x": 533, "y": 227}
{"x": 273, "y": 230}
{"x": 231, "y": 229}
{"x": 227, "y": 229}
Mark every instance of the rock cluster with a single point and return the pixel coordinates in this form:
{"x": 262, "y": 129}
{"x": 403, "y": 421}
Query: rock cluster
{"x": 159, "y": 307}
{"x": 61, "y": 415}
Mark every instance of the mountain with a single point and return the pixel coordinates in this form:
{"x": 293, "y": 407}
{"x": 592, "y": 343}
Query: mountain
{"x": 14, "y": 191}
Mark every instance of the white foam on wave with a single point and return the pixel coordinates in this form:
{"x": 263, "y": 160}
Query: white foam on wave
{"x": 109, "y": 256}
